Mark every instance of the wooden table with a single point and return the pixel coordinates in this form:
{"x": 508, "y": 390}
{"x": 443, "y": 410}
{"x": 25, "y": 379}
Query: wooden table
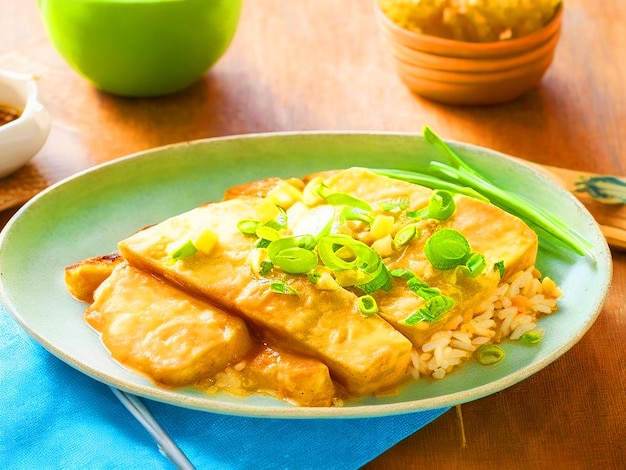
{"x": 319, "y": 64}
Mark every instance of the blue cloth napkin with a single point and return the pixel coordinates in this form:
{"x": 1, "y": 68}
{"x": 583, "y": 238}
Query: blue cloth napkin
{"x": 54, "y": 417}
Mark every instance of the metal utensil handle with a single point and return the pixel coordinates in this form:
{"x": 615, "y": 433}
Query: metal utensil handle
{"x": 166, "y": 445}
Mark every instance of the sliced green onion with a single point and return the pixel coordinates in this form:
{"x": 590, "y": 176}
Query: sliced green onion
{"x": 279, "y": 223}
{"x": 434, "y": 309}
{"x": 405, "y": 235}
{"x": 247, "y": 226}
{"x": 183, "y": 250}
{"x": 282, "y": 288}
{"x": 267, "y": 233}
{"x": 367, "y": 305}
{"x": 442, "y": 205}
{"x": 392, "y": 205}
{"x": 427, "y": 293}
{"x": 381, "y": 280}
{"x": 415, "y": 284}
{"x": 531, "y": 337}
{"x": 322, "y": 190}
{"x": 413, "y": 319}
{"x": 418, "y": 214}
{"x": 405, "y": 274}
{"x": 300, "y": 241}
{"x": 313, "y": 277}
{"x": 295, "y": 260}
{"x": 447, "y": 248}
{"x": 262, "y": 243}
{"x": 356, "y": 213}
{"x": 343, "y": 199}
{"x": 365, "y": 258}
{"x": 327, "y": 248}
{"x": 292, "y": 255}
{"x": 489, "y": 354}
{"x": 474, "y": 265}
{"x": 499, "y": 266}
{"x": 265, "y": 268}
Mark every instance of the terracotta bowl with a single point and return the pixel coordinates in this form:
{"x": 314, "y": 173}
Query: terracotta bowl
{"x": 467, "y": 73}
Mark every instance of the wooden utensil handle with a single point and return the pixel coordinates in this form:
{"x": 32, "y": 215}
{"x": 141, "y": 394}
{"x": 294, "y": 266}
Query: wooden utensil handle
{"x": 603, "y": 195}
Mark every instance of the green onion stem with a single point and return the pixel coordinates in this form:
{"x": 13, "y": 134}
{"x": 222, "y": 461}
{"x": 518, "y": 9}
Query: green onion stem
{"x": 459, "y": 177}
{"x": 513, "y": 204}
{"x": 429, "y": 181}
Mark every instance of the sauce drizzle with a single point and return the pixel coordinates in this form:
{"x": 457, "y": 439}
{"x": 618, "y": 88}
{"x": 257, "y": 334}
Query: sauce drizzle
{"x": 8, "y": 114}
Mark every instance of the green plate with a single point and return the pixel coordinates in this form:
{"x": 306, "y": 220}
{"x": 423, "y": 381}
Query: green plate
{"x": 87, "y": 214}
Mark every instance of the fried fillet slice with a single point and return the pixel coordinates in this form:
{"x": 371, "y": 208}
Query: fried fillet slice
{"x": 300, "y": 380}
{"x": 159, "y": 351}
{"x": 364, "y": 355}
{"x": 490, "y": 231}
{"x": 84, "y": 277}
{"x": 163, "y": 332}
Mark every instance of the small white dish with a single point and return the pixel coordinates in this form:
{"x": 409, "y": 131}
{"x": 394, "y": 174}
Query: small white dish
{"x": 23, "y": 137}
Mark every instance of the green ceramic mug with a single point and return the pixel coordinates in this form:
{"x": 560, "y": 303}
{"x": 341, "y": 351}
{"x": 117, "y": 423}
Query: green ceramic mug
{"x": 141, "y": 47}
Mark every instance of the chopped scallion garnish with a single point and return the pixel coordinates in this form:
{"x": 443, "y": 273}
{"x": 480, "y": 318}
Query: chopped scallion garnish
{"x": 380, "y": 280}
{"x": 393, "y": 205}
{"x": 405, "y": 274}
{"x": 489, "y": 354}
{"x": 282, "y": 288}
{"x": 474, "y": 265}
{"x": 531, "y": 337}
{"x": 499, "y": 266}
{"x": 265, "y": 268}
{"x": 367, "y": 305}
{"x": 434, "y": 309}
{"x": 267, "y": 233}
{"x": 356, "y": 213}
{"x": 447, "y": 248}
{"x": 441, "y": 206}
{"x": 405, "y": 235}
{"x": 182, "y": 250}
{"x": 294, "y": 255}
{"x": 247, "y": 226}
{"x": 414, "y": 283}
{"x": 342, "y": 199}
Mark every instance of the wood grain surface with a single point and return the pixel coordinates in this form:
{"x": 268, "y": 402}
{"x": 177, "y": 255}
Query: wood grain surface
{"x": 320, "y": 65}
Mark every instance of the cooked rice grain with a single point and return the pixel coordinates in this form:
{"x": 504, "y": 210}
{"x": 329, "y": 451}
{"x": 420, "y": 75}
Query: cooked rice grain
{"x": 511, "y": 312}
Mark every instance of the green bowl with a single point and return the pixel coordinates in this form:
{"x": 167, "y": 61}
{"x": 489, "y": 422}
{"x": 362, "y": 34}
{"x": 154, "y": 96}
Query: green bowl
{"x": 141, "y": 48}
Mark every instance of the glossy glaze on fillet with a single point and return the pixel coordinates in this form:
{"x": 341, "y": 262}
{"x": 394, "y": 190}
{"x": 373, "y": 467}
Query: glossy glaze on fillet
{"x": 349, "y": 319}
{"x": 364, "y": 354}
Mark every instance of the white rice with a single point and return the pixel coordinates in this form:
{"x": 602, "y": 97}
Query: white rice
{"x": 512, "y": 311}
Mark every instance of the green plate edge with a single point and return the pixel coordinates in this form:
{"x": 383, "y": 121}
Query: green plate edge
{"x": 88, "y": 213}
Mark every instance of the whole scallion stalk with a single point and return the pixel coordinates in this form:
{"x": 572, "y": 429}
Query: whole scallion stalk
{"x": 458, "y": 176}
